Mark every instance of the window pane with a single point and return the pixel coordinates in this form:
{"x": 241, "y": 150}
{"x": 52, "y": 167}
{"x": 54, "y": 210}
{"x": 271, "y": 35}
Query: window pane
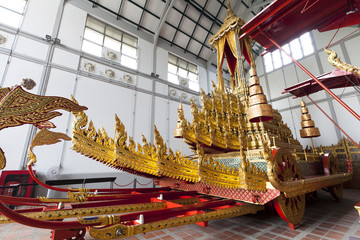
{"x": 10, "y": 18}
{"x": 172, "y": 68}
{"x": 113, "y": 32}
{"x": 306, "y": 44}
{"x": 193, "y": 77}
{"x": 93, "y": 36}
{"x": 276, "y": 59}
{"x": 16, "y": 5}
{"x": 112, "y": 44}
{"x": 268, "y": 62}
{"x": 182, "y": 63}
{"x": 192, "y": 68}
{"x": 296, "y": 49}
{"x": 95, "y": 24}
{"x": 183, "y": 73}
{"x": 194, "y": 86}
{"x": 172, "y": 59}
{"x": 92, "y": 48}
{"x": 130, "y": 40}
{"x": 128, "y": 62}
{"x": 285, "y": 58}
{"x": 129, "y": 51}
{"x": 173, "y": 78}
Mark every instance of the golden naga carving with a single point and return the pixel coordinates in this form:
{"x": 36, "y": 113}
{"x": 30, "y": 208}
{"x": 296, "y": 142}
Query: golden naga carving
{"x": 159, "y": 161}
{"x": 334, "y": 60}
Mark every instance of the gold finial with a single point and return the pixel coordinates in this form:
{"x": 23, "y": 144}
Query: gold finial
{"x": 228, "y": 5}
{"x": 229, "y": 11}
{"x": 302, "y": 103}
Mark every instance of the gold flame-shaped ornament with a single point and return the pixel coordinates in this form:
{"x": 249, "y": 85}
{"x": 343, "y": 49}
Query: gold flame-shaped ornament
{"x": 259, "y": 110}
{"x": 308, "y": 126}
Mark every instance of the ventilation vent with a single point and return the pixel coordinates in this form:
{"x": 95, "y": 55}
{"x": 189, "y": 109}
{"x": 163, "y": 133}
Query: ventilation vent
{"x": 184, "y": 82}
{"x": 2, "y": 39}
{"x": 111, "y": 55}
{"x": 128, "y": 79}
{"x": 110, "y": 73}
{"x": 89, "y": 67}
{"x": 172, "y": 92}
{"x": 184, "y": 96}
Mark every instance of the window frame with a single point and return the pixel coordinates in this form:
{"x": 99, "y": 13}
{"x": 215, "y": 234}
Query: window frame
{"x": 14, "y": 11}
{"x": 105, "y": 34}
{"x": 183, "y": 65}
{"x": 268, "y": 58}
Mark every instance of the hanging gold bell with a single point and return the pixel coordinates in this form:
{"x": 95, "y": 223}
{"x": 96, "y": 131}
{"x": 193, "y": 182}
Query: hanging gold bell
{"x": 308, "y": 126}
{"x": 259, "y": 110}
{"x": 178, "y": 132}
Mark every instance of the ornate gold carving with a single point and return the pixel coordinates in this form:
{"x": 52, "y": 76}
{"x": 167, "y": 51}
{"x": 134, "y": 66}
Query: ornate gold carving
{"x": 357, "y": 207}
{"x": 70, "y": 213}
{"x": 44, "y": 137}
{"x": 344, "y": 150}
{"x": 4, "y": 92}
{"x": 259, "y": 110}
{"x": 2, "y": 159}
{"x": 96, "y": 145}
{"x": 142, "y": 160}
{"x": 120, "y": 230}
{"x": 19, "y": 107}
{"x": 334, "y": 60}
{"x": 230, "y": 22}
{"x": 292, "y": 208}
{"x": 284, "y": 175}
{"x": 308, "y": 126}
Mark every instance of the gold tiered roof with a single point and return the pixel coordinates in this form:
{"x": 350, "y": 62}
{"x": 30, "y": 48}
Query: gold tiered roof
{"x": 231, "y": 23}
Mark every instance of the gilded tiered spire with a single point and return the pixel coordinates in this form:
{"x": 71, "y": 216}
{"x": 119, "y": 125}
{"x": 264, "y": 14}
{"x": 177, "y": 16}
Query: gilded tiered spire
{"x": 308, "y": 126}
{"x": 259, "y": 110}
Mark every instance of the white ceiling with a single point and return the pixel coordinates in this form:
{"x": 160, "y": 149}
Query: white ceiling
{"x": 184, "y": 24}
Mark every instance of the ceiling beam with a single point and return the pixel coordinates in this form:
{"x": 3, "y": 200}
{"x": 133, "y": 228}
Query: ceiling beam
{"x": 206, "y": 13}
{"x": 139, "y": 6}
{"x": 142, "y": 13}
{"x": 165, "y": 11}
{"x": 119, "y": 11}
{"x": 207, "y": 30}
{"x": 207, "y": 35}
{"x": 197, "y": 24}
{"x": 178, "y": 27}
{"x": 179, "y": 30}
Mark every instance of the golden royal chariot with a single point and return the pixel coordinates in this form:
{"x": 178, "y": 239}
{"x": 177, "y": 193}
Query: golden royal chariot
{"x": 245, "y": 157}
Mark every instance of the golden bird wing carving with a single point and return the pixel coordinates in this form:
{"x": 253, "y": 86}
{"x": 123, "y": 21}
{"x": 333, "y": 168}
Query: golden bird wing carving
{"x": 45, "y": 137}
{"x": 19, "y": 107}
